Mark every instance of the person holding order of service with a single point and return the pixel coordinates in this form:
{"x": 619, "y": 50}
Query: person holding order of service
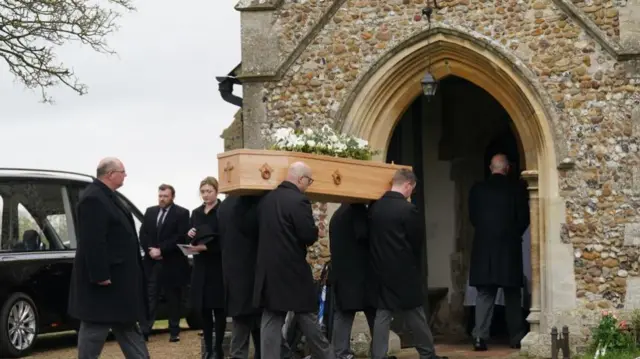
{"x": 207, "y": 289}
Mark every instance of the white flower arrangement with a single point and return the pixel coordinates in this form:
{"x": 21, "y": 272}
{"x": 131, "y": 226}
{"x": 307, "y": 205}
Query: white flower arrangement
{"x": 322, "y": 142}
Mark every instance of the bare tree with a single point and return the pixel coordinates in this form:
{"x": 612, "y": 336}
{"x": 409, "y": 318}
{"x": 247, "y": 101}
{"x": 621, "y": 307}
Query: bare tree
{"x": 31, "y": 31}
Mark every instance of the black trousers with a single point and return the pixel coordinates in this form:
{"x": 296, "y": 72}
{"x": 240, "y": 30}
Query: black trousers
{"x": 172, "y": 293}
{"x": 208, "y": 327}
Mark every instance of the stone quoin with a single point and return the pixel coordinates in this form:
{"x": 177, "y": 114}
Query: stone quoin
{"x": 567, "y": 74}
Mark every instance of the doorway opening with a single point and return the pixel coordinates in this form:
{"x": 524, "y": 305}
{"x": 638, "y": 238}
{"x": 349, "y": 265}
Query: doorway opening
{"x": 449, "y": 140}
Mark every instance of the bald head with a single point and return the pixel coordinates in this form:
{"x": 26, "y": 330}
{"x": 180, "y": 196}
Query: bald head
{"x": 299, "y": 173}
{"x": 299, "y": 169}
{"x": 499, "y": 164}
{"x": 107, "y": 165}
{"x": 111, "y": 172}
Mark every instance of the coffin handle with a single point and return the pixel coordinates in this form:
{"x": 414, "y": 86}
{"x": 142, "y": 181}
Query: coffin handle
{"x": 337, "y": 177}
{"x": 265, "y": 171}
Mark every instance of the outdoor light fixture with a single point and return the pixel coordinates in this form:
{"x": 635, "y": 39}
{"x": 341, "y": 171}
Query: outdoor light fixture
{"x": 429, "y": 85}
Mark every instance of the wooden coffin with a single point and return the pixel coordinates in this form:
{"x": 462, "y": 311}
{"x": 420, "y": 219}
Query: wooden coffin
{"x": 245, "y": 172}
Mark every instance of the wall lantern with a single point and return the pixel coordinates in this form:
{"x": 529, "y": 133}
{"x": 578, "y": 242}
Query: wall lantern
{"x": 429, "y": 85}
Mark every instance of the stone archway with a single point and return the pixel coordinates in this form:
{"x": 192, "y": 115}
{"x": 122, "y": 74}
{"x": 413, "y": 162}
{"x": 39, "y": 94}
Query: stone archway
{"x": 388, "y": 89}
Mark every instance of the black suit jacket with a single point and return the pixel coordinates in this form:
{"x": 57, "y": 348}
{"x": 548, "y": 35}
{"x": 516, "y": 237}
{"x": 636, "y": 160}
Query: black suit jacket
{"x": 396, "y": 246}
{"x": 238, "y": 228}
{"x": 107, "y": 249}
{"x": 284, "y": 281}
{"x": 172, "y": 232}
{"x": 350, "y": 268}
{"x": 499, "y": 212}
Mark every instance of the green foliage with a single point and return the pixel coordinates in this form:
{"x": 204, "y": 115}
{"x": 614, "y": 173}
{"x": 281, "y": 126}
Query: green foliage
{"x": 635, "y": 324}
{"x": 321, "y": 142}
{"x": 612, "y": 338}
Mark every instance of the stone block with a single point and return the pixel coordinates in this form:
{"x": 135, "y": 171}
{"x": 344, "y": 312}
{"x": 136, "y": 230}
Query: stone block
{"x": 632, "y": 234}
{"x": 632, "y": 298}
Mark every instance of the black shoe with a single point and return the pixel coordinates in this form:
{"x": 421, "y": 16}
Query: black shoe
{"x": 218, "y": 355}
{"x": 146, "y": 337}
{"x": 479, "y": 345}
{"x": 174, "y": 339}
{"x": 200, "y": 334}
{"x": 440, "y": 357}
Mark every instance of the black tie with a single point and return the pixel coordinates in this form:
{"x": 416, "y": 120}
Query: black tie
{"x": 163, "y": 213}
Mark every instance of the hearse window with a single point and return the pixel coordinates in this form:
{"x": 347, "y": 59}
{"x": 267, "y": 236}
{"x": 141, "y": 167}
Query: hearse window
{"x": 27, "y": 224}
{"x": 37, "y": 216}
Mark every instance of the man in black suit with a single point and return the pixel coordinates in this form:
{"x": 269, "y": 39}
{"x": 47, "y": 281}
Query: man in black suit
{"x": 349, "y": 276}
{"x": 499, "y": 212}
{"x": 107, "y": 282}
{"x": 165, "y": 226}
{"x": 238, "y": 229}
{"x": 284, "y": 281}
{"x": 396, "y": 246}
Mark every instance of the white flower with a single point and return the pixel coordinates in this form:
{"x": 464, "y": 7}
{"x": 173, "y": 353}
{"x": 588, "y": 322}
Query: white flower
{"x": 308, "y": 132}
{"x": 311, "y": 143}
{"x": 361, "y": 143}
{"x": 282, "y": 133}
{"x": 299, "y": 142}
{"x": 333, "y": 138}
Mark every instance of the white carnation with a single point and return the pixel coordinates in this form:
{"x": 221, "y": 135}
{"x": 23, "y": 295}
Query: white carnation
{"x": 361, "y": 143}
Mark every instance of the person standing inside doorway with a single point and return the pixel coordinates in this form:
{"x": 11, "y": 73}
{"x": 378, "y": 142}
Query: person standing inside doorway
{"x": 396, "y": 245}
{"x": 350, "y": 273}
{"x": 107, "y": 281}
{"x": 164, "y": 227}
{"x": 499, "y": 212}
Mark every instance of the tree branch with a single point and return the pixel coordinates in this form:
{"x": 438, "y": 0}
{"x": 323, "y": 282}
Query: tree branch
{"x": 31, "y": 31}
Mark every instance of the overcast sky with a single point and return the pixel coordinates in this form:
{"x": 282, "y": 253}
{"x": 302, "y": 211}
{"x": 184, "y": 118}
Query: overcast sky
{"x": 156, "y": 105}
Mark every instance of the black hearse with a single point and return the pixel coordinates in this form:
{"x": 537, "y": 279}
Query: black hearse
{"x": 37, "y": 247}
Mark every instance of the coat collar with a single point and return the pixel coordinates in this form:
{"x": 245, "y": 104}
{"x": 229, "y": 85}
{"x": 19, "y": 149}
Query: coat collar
{"x": 215, "y": 208}
{"x": 394, "y": 194}
{"x": 108, "y": 191}
{"x": 289, "y": 185}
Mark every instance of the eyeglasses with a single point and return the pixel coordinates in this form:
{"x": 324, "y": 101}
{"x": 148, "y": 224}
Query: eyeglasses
{"x": 309, "y": 179}
{"x": 119, "y": 171}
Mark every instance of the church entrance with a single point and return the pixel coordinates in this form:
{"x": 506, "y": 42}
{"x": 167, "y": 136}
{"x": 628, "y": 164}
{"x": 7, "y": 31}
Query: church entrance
{"x": 449, "y": 140}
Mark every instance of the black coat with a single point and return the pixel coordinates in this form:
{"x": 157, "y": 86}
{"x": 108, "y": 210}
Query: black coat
{"x": 350, "y": 267}
{"x": 396, "y": 246}
{"x": 108, "y": 248}
{"x": 284, "y": 281}
{"x": 499, "y": 211}
{"x": 175, "y": 266}
{"x": 207, "y": 289}
{"x": 238, "y": 226}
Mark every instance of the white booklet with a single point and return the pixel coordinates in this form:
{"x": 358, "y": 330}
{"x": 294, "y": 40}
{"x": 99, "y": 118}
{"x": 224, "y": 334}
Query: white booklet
{"x": 186, "y": 250}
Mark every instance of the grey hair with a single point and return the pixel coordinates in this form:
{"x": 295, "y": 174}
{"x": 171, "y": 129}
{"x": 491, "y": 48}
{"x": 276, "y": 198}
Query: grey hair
{"x": 107, "y": 165}
{"x": 298, "y": 169}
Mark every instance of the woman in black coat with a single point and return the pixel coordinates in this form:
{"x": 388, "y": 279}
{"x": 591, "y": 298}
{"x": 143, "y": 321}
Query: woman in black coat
{"x": 207, "y": 289}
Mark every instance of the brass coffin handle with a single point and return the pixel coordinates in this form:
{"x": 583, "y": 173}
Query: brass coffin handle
{"x": 227, "y": 171}
{"x": 337, "y": 177}
{"x": 265, "y": 171}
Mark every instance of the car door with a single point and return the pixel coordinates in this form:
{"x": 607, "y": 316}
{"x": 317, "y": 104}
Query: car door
{"x": 35, "y": 259}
